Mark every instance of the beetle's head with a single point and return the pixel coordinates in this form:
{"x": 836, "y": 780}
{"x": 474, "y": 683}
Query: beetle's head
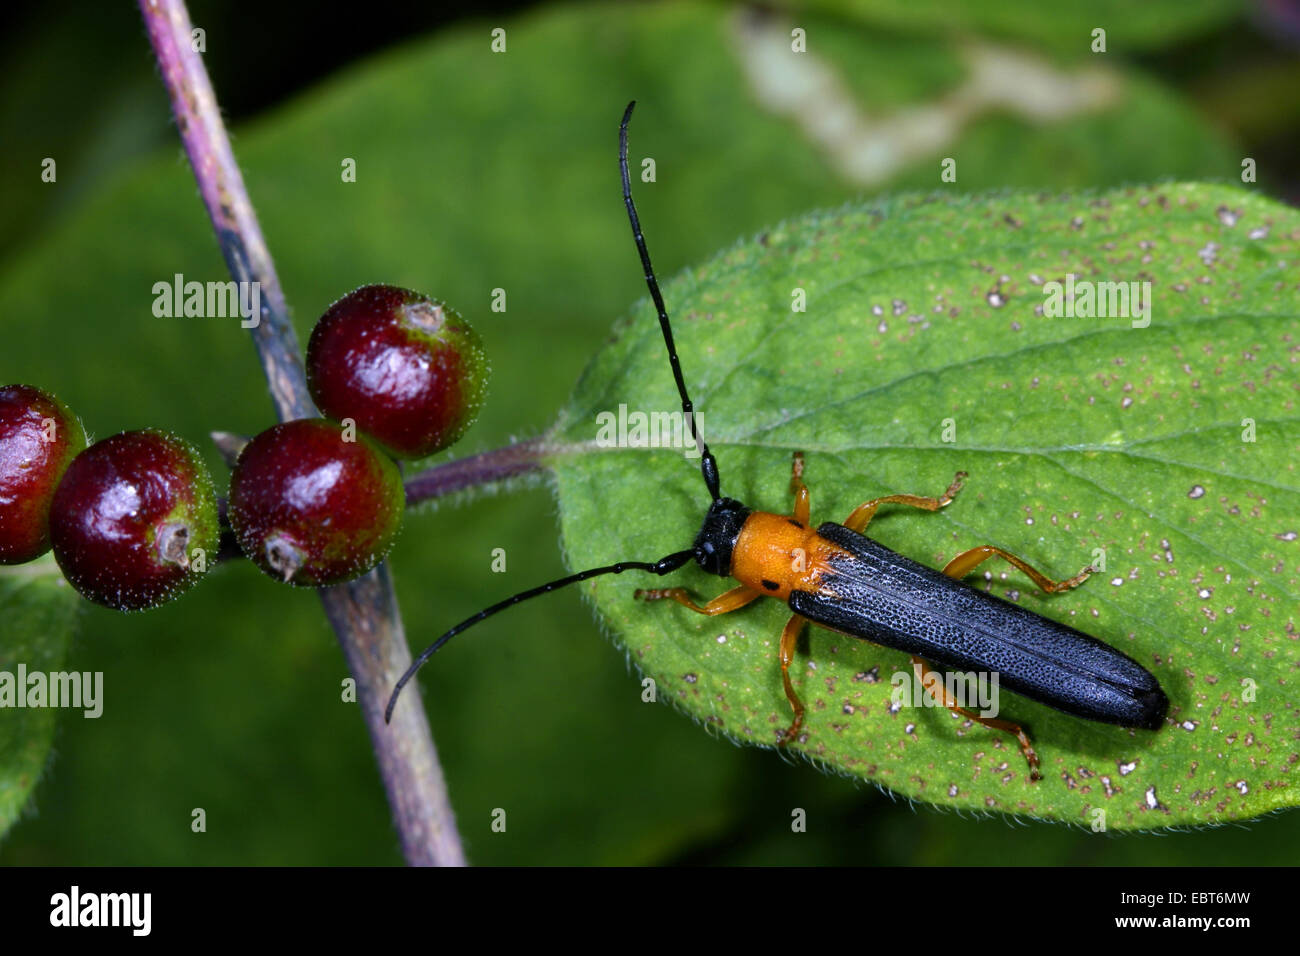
{"x": 718, "y": 534}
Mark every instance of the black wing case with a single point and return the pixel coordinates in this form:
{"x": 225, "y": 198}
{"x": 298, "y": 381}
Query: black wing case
{"x": 881, "y": 596}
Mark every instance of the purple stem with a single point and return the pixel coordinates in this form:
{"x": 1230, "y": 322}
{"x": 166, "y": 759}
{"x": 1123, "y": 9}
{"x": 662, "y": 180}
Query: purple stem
{"x": 364, "y": 612}
{"x": 485, "y": 468}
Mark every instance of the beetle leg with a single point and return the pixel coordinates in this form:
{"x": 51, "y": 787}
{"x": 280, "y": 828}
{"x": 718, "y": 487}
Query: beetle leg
{"x": 732, "y": 600}
{"x": 967, "y": 561}
{"x": 940, "y": 693}
{"x": 802, "y": 499}
{"x": 789, "y": 639}
{"x": 864, "y": 512}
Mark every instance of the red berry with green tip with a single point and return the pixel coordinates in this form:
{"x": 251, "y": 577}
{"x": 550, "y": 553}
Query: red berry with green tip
{"x": 134, "y": 522}
{"x": 313, "y": 503}
{"x": 409, "y": 371}
{"x": 39, "y": 437}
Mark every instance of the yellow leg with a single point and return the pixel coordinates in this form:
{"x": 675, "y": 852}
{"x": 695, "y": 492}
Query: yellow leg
{"x": 863, "y": 513}
{"x": 802, "y": 499}
{"x": 940, "y": 693}
{"x": 732, "y": 600}
{"x": 967, "y": 561}
{"x": 789, "y": 639}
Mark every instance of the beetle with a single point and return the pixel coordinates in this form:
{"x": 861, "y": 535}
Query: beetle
{"x": 837, "y": 577}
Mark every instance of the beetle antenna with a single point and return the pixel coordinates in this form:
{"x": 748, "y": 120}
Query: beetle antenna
{"x": 708, "y": 466}
{"x": 661, "y": 567}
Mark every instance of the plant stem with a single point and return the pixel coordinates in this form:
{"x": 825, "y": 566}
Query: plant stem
{"x": 463, "y": 473}
{"x": 364, "y": 613}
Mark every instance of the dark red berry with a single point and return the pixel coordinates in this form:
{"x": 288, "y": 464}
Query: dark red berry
{"x": 314, "y": 503}
{"x": 134, "y": 522}
{"x": 39, "y": 437}
{"x": 409, "y": 371}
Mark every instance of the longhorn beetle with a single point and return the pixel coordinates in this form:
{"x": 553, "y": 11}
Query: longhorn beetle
{"x": 838, "y": 578}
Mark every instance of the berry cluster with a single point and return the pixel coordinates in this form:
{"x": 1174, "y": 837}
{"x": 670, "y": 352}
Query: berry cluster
{"x": 133, "y": 519}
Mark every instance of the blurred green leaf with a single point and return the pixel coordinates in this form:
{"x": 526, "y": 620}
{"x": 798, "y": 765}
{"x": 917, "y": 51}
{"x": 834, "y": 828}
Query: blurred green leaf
{"x": 1169, "y": 449}
{"x": 38, "y": 610}
{"x": 1065, "y": 26}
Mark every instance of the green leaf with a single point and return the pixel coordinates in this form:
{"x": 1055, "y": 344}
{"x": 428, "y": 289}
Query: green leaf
{"x": 38, "y": 610}
{"x": 1066, "y": 26}
{"x": 924, "y": 350}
